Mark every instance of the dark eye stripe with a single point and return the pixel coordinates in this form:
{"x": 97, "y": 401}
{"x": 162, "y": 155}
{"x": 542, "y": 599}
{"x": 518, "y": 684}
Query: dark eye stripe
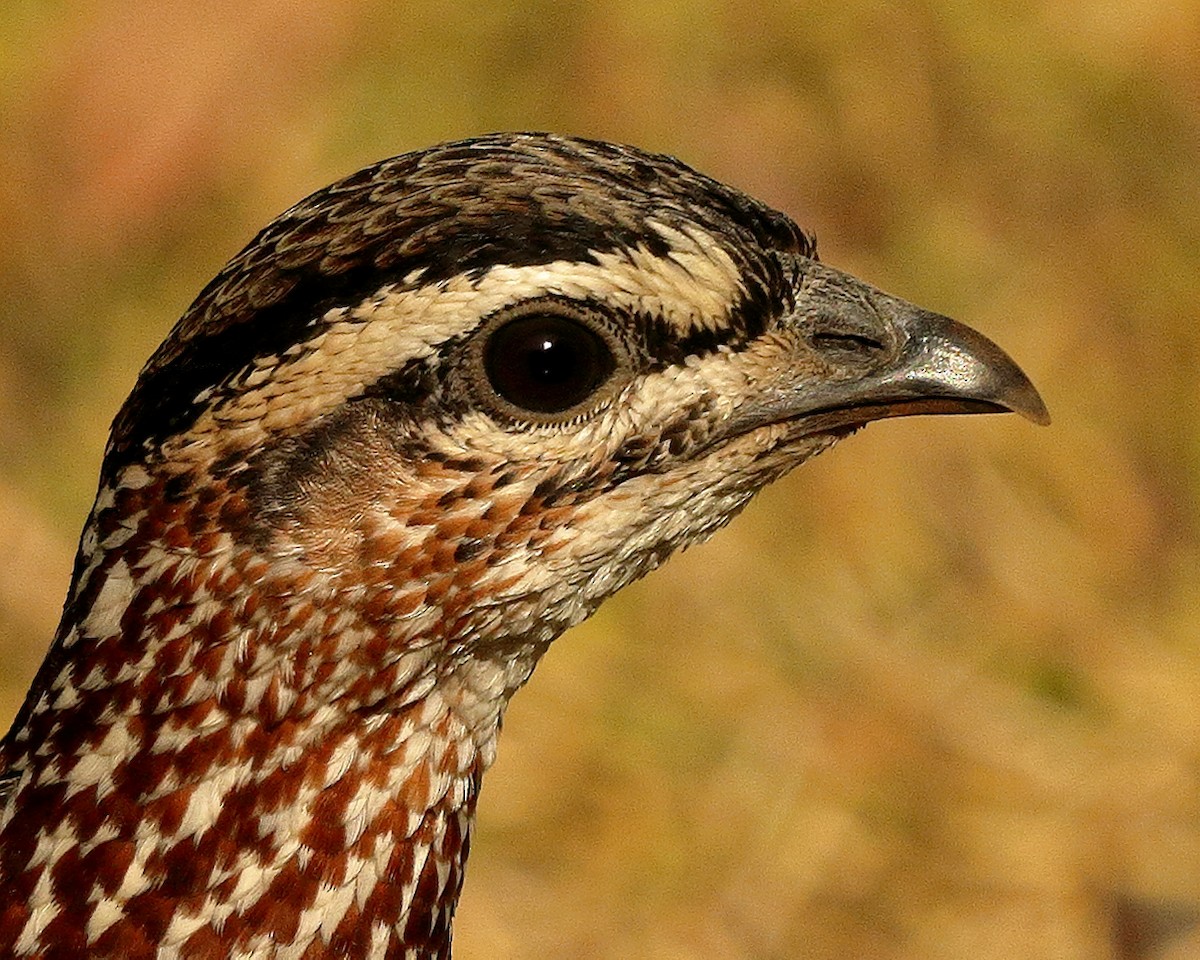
{"x": 654, "y": 343}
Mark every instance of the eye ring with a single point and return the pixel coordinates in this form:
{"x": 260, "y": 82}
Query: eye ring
{"x": 547, "y": 360}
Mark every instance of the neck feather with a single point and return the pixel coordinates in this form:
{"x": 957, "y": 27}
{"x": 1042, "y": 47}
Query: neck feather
{"x": 227, "y": 755}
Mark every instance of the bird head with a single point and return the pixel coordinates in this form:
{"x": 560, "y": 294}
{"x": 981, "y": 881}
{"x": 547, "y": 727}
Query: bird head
{"x": 471, "y": 392}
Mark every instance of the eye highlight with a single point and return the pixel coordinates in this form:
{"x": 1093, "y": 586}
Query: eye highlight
{"x": 547, "y": 358}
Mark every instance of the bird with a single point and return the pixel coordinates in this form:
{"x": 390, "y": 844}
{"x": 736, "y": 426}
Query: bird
{"x": 426, "y": 420}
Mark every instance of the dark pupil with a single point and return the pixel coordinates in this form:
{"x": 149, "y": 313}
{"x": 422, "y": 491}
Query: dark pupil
{"x": 546, "y": 363}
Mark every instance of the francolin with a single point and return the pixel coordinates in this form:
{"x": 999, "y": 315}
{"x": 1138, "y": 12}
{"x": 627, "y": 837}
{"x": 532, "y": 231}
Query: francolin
{"x": 428, "y": 419}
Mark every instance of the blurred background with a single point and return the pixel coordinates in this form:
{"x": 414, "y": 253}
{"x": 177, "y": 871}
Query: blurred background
{"x": 937, "y": 694}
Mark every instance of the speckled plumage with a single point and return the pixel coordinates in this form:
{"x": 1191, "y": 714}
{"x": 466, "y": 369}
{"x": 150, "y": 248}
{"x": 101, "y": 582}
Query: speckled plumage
{"x": 325, "y": 551}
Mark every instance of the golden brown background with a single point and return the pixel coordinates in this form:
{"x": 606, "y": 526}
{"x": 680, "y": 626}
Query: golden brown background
{"x": 937, "y": 695}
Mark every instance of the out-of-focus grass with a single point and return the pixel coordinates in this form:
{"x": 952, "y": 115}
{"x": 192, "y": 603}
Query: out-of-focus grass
{"x": 935, "y": 695}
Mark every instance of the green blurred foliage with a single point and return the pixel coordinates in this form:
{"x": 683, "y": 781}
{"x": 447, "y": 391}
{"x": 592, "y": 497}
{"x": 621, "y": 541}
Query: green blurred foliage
{"x": 937, "y": 694}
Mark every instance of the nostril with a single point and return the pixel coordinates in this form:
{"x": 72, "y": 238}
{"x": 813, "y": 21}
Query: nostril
{"x": 841, "y": 341}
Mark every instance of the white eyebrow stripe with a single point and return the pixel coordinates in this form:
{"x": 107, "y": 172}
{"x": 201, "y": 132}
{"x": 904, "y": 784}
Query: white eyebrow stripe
{"x": 696, "y": 286}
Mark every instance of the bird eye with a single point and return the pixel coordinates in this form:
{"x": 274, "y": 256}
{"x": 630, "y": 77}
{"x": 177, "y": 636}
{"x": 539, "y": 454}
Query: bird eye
{"x": 543, "y": 360}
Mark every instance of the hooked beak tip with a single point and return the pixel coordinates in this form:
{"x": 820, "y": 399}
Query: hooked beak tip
{"x": 956, "y": 361}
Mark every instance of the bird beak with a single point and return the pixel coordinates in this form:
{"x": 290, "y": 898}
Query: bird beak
{"x": 888, "y": 358}
{"x": 942, "y": 367}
